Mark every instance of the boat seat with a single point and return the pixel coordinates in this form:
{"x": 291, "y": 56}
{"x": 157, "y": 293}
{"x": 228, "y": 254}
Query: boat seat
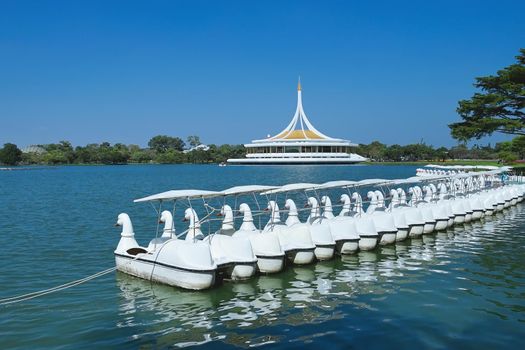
{"x": 136, "y": 250}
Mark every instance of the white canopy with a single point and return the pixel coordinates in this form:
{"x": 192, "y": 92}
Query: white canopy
{"x": 458, "y": 176}
{"x": 292, "y": 187}
{"x": 462, "y": 167}
{"x": 478, "y": 173}
{"x": 178, "y": 194}
{"x": 246, "y": 189}
{"x": 412, "y": 179}
{"x": 366, "y": 182}
{"x": 335, "y": 184}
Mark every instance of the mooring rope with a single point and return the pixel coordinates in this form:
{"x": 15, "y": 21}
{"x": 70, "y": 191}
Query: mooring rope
{"x": 40, "y": 293}
{"x": 32, "y": 295}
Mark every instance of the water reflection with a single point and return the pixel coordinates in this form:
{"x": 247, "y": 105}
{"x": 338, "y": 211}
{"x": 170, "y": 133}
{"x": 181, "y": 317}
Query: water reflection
{"x": 328, "y": 290}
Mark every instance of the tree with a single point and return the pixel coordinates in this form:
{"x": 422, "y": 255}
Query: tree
{"x": 32, "y": 158}
{"x": 518, "y": 146}
{"x": 394, "y": 153}
{"x": 10, "y": 154}
{"x": 142, "y": 156}
{"x": 163, "y": 143}
{"x": 194, "y": 140}
{"x": 170, "y": 157}
{"x": 499, "y": 108}
{"x": 66, "y": 148}
{"x": 482, "y": 152}
{"x": 54, "y": 157}
{"x": 441, "y": 153}
{"x": 376, "y": 150}
{"x": 197, "y": 156}
{"x": 117, "y": 154}
{"x": 62, "y": 150}
{"x": 459, "y": 152}
{"x": 507, "y": 156}
{"x": 418, "y": 151}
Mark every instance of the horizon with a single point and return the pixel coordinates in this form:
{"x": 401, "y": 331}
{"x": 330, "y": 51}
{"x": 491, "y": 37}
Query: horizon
{"x": 123, "y": 72}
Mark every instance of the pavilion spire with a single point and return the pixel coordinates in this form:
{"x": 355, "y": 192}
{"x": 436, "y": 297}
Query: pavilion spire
{"x": 300, "y": 127}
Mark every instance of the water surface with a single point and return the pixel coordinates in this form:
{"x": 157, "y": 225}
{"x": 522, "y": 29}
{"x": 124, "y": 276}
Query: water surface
{"x": 461, "y": 289}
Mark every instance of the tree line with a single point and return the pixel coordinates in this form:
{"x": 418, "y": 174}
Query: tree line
{"x": 507, "y": 152}
{"x": 161, "y": 149}
{"x": 164, "y": 149}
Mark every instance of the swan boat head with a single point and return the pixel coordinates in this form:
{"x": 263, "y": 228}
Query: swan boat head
{"x": 127, "y": 236}
{"x": 275, "y": 217}
{"x": 358, "y": 203}
{"x": 124, "y": 221}
{"x": 394, "y": 201}
{"x": 167, "y": 219}
{"x": 293, "y": 215}
{"x": 346, "y": 205}
{"x": 194, "y": 227}
{"x": 402, "y": 196}
{"x": 315, "y": 213}
{"x": 327, "y": 206}
{"x": 373, "y": 202}
{"x": 227, "y": 222}
{"x": 428, "y": 194}
{"x": 247, "y": 219}
{"x": 380, "y": 199}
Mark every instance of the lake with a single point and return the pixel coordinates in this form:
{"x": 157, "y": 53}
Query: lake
{"x": 464, "y": 288}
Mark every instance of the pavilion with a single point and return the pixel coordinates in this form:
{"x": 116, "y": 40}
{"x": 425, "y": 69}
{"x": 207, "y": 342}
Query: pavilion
{"x": 299, "y": 143}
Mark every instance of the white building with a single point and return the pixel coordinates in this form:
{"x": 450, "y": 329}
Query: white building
{"x": 34, "y": 149}
{"x": 299, "y": 143}
{"x": 201, "y": 147}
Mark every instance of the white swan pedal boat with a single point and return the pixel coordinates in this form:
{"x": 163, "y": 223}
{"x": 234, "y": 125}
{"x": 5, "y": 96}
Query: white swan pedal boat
{"x": 265, "y": 245}
{"x": 187, "y": 263}
{"x": 182, "y": 263}
{"x": 196, "y": 260}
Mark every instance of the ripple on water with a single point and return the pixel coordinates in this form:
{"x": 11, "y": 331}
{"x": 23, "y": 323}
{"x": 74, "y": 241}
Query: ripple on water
{"x": 459, "y": 288}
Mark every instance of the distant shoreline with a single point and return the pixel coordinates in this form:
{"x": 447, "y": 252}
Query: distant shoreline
{"x": 26, "y": 167}
{"x": 386, "y": 163}
{"x": 164, "y": 149}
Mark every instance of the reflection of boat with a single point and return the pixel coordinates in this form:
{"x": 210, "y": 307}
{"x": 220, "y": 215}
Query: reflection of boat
{"x": 138, "y": 293}
{"x": 427, "y": 239}
{"x": 367, "y": 257}
{"x": 166, "y": 306}
{"x": 304, "y": 274}
{"x": 268, "y": 283}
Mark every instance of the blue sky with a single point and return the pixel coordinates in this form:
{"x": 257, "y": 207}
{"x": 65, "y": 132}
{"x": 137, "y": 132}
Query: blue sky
{"x": 124, "y": 71}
